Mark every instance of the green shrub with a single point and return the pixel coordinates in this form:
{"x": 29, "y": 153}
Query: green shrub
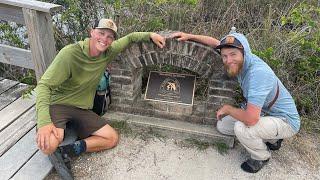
{"x": 9, "y": 35}
{"x": 296, "y": 59}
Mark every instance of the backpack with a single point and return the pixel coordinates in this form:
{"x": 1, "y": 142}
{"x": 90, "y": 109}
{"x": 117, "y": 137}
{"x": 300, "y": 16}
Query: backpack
{"x": 102, "y": 98}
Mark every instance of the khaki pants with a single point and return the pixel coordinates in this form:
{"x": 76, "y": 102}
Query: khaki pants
{"x": 253, "y": 138}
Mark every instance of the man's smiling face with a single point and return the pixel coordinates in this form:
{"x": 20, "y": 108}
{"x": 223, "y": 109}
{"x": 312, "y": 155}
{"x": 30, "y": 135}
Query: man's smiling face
{"x": 233, "y": 60}
{"x": 101, "y": 39}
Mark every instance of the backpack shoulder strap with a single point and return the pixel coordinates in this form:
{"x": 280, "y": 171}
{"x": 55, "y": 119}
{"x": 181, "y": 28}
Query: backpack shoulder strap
{"x": 108, "y": 89}
{"x": 275, "y": 97}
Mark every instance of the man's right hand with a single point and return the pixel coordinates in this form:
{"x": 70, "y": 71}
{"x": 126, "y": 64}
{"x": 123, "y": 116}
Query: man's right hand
{"x": 43, "y": 136}
{"x": 181, "y": 36}
{"x": 207, "y": 40}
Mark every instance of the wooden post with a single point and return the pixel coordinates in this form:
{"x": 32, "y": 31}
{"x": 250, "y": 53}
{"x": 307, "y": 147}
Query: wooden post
{"x": 41, "y": 39}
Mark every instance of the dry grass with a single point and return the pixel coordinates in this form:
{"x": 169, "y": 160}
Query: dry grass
{"x": 308, "y": 147}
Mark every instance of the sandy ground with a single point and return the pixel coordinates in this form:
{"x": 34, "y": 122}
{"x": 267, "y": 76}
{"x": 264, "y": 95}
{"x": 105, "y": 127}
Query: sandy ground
{"x": 161, "y": 158}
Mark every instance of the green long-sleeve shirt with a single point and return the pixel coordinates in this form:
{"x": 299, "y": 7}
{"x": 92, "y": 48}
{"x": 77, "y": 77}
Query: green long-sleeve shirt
{"x": 73, "y": 76}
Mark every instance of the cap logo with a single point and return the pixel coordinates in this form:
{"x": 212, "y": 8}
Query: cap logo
{"x": 109, "y": 24}
{"x": 229, "y": 40}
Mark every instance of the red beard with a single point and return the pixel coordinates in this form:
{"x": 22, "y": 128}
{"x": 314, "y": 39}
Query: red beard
{"x": 233, "y": 70}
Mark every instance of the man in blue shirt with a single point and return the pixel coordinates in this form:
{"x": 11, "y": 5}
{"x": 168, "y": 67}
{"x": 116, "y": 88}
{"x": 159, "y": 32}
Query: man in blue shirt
{"x": 270, "y": 114}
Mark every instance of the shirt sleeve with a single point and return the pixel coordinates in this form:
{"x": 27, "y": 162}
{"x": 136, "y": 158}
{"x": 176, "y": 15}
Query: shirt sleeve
{"x": 56, "y": 74}
{"x": 119, "y": 45}
{"x": 261, "y": 83}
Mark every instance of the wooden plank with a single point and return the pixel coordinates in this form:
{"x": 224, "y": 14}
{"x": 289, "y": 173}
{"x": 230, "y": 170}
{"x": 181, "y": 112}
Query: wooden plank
{"x": 32, "y": 4}
{"x": 7, "y": 84}
{"x": 42, "y": 43}
{"x": 14, "y": 110}
{"x": 37, "y": 168}
{"x": 11, "y": 13}
{"x": 11, "y": 134}
{"x": 11, "y": 95}
{"x": 18, "y": 155}
{"x": 16, "y": 56}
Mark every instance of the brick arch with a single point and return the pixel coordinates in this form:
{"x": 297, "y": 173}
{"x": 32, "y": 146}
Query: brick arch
{"x": 127, "y": 72}
{"x": 193, "y": 56}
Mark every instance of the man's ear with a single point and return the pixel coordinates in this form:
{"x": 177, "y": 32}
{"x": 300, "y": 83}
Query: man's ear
{"x": 91, "y": 32}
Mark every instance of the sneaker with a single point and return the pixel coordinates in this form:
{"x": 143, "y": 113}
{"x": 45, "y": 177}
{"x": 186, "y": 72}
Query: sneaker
{"x": 68, "y": 150}
{"x": 59, "y": 164}
{"x": 253, "y": 166}
{"x": 275, "y": 146}
{"x": 72, "y": 149}
{"x": 66, "y": 157}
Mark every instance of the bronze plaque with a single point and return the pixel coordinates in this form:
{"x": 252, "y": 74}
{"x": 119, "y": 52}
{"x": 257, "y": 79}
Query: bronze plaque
{"x": 170, "y": 87}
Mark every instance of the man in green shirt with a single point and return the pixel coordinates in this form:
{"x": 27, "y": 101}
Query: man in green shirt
{"x": 65, "y": 92}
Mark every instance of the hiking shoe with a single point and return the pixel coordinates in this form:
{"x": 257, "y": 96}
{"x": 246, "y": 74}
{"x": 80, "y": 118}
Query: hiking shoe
{"x": 66, "y": 157}
{"x": 275, "y": 146}
{"x": 253, "y": 166}
{"x": 59, "y": 164}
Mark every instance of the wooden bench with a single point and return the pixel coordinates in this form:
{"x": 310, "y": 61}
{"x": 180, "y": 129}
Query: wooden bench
{"x": 19, "y": 155}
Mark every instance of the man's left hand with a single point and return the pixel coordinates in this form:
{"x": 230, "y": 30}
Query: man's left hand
{"x": 158, "y": 40}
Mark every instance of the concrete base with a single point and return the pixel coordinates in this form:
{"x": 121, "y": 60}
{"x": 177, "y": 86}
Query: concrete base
{"x": 172, "y": 128}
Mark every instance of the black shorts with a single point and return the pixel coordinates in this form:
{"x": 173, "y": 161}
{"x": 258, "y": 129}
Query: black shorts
{"x": 84, "y": 121}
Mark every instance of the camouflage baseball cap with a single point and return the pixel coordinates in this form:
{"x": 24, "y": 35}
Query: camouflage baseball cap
{"x": 106, "y": 24}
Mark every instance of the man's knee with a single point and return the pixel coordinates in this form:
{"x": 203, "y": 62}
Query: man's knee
{"x": 51, "y": 149}
{"x": 53, "y": 145}
{"x": 224, "y": 127}
{"x": 111, "y": 136}
{"x": 220, "y": 127}
{"x": 114, "y": 139}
